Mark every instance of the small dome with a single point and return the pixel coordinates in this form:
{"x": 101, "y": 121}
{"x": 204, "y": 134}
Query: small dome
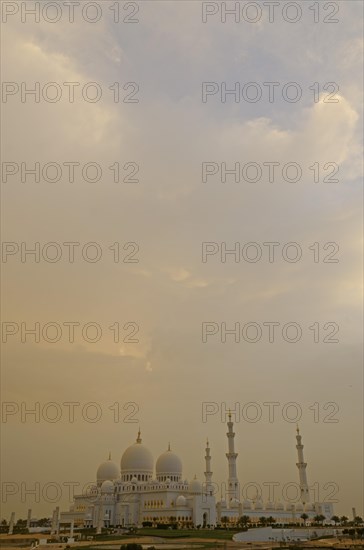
{"x": 137, "y": 459}
{"x": 107, "y": 487}
{"x": 269, "y": 505}
{"x": 223, "y": 502}
{"x": 195, "y": 486}
{"x": 247, "y": 505}
{"x": 181, "y": 501}
{"x": 299, "y": 507}
{"x": 108, "y": 470}
{"x": 169, "y": 464}
{"x": 290, "y": 507}
{"x": 134, "y": 480}
{"x": 279, "y": 506}
{"x": 309, "y": 508}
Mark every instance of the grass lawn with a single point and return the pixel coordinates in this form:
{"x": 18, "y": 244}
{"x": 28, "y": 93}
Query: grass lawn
{"x": 193, "y": 544}
{"x": 219, "y": 534}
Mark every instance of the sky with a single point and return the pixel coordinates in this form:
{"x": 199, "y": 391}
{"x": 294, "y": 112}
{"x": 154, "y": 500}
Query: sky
{"x": 149, "y": 255}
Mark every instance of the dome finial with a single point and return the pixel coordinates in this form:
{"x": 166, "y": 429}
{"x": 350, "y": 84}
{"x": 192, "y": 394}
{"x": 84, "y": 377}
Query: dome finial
{"x": 139, "y": 440}
{"x": 297, "y": 429}
{"x": 229, "y": 414}
{"x": 109, "y": 455}
{"x": 169, "y": 446}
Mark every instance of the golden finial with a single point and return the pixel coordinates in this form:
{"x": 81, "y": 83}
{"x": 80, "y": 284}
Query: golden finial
{"x": 109, "y": 455}
{"x": 297, "y": 429}
{"x": 139, "y": 440}
{"x": 169, "y": 446}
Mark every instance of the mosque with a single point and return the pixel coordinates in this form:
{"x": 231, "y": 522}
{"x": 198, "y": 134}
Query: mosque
{"x": 133, "y": 494}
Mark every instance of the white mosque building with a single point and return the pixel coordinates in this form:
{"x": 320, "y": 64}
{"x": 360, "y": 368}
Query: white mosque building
{"x": 135, "y": 494}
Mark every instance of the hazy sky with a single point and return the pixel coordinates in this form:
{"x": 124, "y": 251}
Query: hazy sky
{"x": 169, "y": 292}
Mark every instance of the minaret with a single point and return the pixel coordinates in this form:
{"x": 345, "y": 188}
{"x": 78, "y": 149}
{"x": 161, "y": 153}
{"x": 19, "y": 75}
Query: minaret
{"x": 301, "y": 465}
{"x": 139, "y": 439}
{"x": 208, "y": 473}
{"x": 29, "y": 517}
{"x": 55, "y": 521}
{"x": 11, "y": 523}
{"x": 100, "y": 518}
{"x": 233, "y": 482}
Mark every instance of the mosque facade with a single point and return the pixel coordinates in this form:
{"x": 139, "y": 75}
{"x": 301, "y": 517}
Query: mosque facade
{"x": 137, "y": 493}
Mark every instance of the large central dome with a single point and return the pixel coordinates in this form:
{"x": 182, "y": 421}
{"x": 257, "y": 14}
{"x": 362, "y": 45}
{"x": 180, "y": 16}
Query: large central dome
{"x": 137, "y": 461}
{"x": 169, "y": 466}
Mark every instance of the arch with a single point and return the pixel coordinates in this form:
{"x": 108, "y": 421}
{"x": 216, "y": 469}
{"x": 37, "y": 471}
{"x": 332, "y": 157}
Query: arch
{"x": 205, "y": 519}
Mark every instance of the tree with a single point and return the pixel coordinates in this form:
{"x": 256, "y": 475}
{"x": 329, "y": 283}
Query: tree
{"x": 270, "y": 520}
{"x": 263, "y": 520}
{"x": 344, "y": 520}
{"x": 319, "y": 518}
{"x": 225, "y": 521}
{"x": 335, "y": 519}
{"x": 244, "y": 521}
{"x": 304, "y": 517}
{"x": 43, "y": 522}
{"x": 358, "y": 520}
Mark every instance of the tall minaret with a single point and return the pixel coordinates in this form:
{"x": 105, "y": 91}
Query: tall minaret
{"x": 208, "y": 473}
{"x": 301, "y": 465}
{"x": 233, "y": 482}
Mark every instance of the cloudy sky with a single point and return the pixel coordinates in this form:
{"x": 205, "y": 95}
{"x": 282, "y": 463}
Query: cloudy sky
{"x": 161, "y": 289}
